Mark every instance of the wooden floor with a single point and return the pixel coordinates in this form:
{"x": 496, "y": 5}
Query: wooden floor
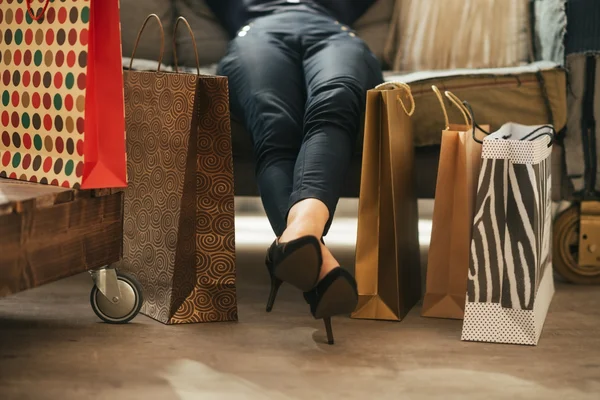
{"x": 52, "y": 346}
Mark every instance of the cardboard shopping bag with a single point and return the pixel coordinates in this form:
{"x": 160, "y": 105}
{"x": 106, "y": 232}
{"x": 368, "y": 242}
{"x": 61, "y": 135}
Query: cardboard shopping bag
{"x": 388, "y": 271}
{"x": 179, "y": 238}
{"x": 510, "y": 283}
{"x": 62, "y": 116}
{"x": 455, "y": 191}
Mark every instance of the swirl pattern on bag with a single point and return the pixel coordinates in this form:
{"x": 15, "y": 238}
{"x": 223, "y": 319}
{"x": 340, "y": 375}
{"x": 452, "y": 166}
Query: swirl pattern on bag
{"x": 179, "y": 206}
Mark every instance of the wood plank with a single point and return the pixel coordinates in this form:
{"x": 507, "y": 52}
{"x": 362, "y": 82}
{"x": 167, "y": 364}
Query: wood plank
{"x": 42, "y": 245}
{"x": 12, "y": 191}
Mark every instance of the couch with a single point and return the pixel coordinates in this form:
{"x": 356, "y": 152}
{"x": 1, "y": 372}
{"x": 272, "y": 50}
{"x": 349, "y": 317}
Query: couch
{"x": 374, "y": 27}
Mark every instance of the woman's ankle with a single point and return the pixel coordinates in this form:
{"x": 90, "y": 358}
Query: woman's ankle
{"x": 307, "y": 217}
{"x": 297, "y": 230}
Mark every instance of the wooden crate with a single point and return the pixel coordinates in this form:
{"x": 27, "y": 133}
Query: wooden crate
{"x": 48, "y": 233}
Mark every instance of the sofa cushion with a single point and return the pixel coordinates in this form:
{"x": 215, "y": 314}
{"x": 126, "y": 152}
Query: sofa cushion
{"x": 531, "y": 95}
{"x": 373, "y": 27}
{"x": 133, "y": 14}
{"x": 211, "y": 38}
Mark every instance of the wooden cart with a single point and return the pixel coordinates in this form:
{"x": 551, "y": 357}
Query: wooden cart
{"x": 48, "y": 233}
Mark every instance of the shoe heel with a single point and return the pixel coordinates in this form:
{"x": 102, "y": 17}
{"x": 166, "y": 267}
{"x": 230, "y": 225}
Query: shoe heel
{"x": 275, "y": 284}
{"x": 327, "y": 321}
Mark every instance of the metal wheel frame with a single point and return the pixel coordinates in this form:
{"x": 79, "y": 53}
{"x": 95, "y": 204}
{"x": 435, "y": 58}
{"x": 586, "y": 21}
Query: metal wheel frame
{"x": 138, "y": 300}
{"x": 566, "y": 249}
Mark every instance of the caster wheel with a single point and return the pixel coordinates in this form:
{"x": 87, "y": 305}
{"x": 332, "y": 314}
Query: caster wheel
{"x": 566, "y": 250}
{"x": 126, "y": 308}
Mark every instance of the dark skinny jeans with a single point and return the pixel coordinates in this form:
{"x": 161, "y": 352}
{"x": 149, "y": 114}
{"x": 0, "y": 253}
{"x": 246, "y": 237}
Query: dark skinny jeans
{"x": 298, "y": 81}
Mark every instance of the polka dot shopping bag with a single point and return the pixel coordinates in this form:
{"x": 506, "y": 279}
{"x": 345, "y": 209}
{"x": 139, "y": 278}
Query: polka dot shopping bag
{"x": 61, "y": 93}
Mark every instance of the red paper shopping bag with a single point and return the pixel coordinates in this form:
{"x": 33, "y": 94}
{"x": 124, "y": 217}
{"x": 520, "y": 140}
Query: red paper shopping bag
{"x": 62, "y": 115}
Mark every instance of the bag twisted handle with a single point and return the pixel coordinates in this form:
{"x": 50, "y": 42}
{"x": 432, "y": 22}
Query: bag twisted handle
{"x": 552, "y": 134}
{"x": 475, "y": 125}
{"x": 401, "y": 85}
{"x": 458, "y": 103}
{"x": 441, "y": 99}
{"x": 182, "y": 19}
{"x": 162, "y": 40}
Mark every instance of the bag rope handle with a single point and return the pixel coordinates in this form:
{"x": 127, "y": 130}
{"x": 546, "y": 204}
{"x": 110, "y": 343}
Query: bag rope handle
{"x": 552, "y": 134}
{"x": 401, "y": 85}
{"x": 469, "y": 109}
{"x": 410, "y": 97}
{"x": 193, "y": 42}
{"x": 458, "y": 104}
{"x": 162, "y": 40}
{"x": 32, "y": 14}
{"x": 441, "y": 99}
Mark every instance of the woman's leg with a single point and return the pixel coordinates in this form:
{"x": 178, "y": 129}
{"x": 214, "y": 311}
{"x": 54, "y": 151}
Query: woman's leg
{"x": 268, "y": 94}
{"x": 338, "y": 71}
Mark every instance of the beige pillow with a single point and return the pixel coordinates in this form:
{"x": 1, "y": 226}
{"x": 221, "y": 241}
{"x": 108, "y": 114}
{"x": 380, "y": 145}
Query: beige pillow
{"x": 449, "y": 34}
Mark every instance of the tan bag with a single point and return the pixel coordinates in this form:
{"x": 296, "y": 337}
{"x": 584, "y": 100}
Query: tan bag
{"x": 456, "y": 188}
{"x": 388, "y": 269}
{"x": 179, "y": 205}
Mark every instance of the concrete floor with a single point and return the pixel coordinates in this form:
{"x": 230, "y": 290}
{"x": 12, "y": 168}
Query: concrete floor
{"x": 53, "y": 347}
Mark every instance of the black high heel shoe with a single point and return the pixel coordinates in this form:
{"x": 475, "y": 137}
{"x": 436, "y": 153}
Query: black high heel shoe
{"x": 335, "y": 294}
{"x": 297, "y": 262}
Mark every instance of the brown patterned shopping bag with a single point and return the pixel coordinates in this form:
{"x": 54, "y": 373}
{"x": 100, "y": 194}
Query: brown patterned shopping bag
{"x": 61, "y": 120}
{"x": 179, "y": 236}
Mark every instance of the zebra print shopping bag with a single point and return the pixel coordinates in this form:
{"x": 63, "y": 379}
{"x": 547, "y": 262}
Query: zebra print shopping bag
{"x": 510, "y": 283}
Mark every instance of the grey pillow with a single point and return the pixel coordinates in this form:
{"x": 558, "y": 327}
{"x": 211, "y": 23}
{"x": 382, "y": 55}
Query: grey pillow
{"x": 373, "y": 27}
{"x": 211, "y": 38}
{"x": 133, "y": 14}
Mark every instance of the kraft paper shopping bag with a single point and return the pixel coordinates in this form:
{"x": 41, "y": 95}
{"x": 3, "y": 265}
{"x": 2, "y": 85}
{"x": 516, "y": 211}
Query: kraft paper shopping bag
{"x": 456, "y": 187}
{"x": 388, "y": 271}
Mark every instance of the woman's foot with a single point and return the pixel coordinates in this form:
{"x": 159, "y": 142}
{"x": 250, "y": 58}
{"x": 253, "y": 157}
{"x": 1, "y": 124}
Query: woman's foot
{"x": 308, "y": 218}
{"x": 335, "y": 294}
{"x": 296, "y": 256}
{"x": 299, "y": 258}
{"x": 329, "y": 262}
{"x": 297, "y": 262}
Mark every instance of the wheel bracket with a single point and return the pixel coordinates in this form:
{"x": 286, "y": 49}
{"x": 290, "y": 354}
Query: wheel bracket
{"x": 589, "y": 234}
{"x": 107, "y": 283}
